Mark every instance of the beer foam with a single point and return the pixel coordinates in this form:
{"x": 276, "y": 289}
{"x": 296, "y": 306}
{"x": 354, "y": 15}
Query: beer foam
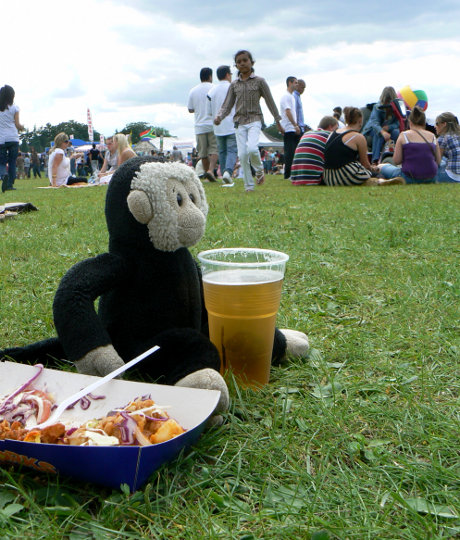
{"x": 243, "y": 276}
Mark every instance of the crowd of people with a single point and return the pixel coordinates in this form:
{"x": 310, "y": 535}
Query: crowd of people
{"x": 345, "y": 149}
{"x": 387, "y": 149}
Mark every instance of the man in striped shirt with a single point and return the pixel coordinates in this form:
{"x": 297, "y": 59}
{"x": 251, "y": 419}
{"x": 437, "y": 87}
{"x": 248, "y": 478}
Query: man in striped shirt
{"x": 308, "y": 164}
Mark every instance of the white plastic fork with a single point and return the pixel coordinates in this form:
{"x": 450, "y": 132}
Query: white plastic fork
{"x": 84, "y": 391}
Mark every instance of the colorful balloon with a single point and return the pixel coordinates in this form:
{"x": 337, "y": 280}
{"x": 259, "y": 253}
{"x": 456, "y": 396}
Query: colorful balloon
{"x": 413, "y": 97}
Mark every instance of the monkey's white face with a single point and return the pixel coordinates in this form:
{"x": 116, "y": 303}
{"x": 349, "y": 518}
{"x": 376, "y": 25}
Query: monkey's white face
{"x": 184, "y": 199}
{"x": 171, "y": 202}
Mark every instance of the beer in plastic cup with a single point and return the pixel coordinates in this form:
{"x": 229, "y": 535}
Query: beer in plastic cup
{"x": 242, "y": 292}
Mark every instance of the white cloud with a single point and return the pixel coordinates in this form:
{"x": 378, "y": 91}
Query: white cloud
{"x": 137, "y": 62}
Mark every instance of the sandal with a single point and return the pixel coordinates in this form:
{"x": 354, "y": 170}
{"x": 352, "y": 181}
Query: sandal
{"x": 260, "y": 177}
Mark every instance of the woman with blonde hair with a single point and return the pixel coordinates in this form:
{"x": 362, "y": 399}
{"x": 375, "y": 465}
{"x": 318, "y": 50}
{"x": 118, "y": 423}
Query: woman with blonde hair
{"x": 124, "y": 152}
{"x": 123, "y": 149}
{"x": 59, "y": 163}
{"x": 416, "y": 151}
{"x": 448, "y": 131}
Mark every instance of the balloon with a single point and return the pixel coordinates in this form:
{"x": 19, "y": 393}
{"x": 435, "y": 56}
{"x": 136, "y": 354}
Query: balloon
{"x": 413, "y": 97}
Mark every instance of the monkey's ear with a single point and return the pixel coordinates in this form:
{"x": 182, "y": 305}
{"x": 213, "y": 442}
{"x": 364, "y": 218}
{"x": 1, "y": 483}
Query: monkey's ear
{"x": 140, "y": 207}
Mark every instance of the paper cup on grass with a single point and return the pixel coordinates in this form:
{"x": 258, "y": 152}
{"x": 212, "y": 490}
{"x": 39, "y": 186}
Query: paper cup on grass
{"x": 242, "y": 292}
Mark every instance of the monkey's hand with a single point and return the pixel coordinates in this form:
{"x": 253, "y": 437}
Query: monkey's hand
{"x": 99, "y": 361}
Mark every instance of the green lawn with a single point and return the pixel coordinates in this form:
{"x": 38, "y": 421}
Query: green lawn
{"x": 359, "y": 441}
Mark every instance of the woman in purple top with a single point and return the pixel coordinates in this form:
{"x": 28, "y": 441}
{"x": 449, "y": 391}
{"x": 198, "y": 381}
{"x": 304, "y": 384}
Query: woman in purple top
{"x": 416, "y": 151}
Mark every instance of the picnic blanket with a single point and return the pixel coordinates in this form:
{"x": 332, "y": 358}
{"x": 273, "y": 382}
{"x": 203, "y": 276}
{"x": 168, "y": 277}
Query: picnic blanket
{"x": 80, "y": 184}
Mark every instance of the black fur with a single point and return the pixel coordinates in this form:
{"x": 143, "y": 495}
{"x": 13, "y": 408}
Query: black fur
{"x": 147, "y": 297}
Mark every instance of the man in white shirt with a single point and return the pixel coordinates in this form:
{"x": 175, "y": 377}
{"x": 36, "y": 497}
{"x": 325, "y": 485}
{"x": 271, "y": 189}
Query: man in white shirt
{"x": 225, "y": 131}
{"x": 206, "y": 140}
{"x": 289, "y": 124}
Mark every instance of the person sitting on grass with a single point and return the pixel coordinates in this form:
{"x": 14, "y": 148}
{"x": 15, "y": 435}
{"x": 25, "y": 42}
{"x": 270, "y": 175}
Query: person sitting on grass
{"x": 382, "y": 124}
{"x": 308, "y": 164}
{"x": 416, "y": 151}
{"x": 448, "y": 132}
{"x": 59, "y": 163}
{"x": 118, "y": 146}
{"x": 345, "y": 155}
{"x": 110, "y": 159}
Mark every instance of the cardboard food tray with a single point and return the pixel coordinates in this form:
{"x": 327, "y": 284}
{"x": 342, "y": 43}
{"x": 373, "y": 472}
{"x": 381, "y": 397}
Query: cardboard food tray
{"x": 105, "y": 465}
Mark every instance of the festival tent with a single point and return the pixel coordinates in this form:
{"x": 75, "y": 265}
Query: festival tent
{"x": 144, "y": 147}
{"x": 81, "y": 146}
{"x": 79, "y": 142}
{"x": 269, "y": 142}
{"x": 85, "y": 146}
{"x": 184, "y": 145}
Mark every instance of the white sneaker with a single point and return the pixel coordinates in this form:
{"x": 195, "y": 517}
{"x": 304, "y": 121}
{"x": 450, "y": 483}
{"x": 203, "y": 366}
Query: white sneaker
{"x": 228, "y": 185}
{"x": 227, "y": 178}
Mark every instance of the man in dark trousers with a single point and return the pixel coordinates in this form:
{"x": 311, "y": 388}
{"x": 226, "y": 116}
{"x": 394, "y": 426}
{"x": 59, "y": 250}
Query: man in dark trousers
{"x": 94, "y": 158}
{"x": 289, "y": 124}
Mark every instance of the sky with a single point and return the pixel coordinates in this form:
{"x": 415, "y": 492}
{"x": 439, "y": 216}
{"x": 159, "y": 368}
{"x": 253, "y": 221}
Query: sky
{"x": 136, "y": 60}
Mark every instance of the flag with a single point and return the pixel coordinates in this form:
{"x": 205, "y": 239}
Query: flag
{"x": 148, "y": 134}
{"x": 90, "y": 127}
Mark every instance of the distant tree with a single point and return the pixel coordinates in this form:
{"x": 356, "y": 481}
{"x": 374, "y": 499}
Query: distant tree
{"x": 272, "y": 130}
{"x": 135, "y": 128}
{"x": 41, "y": 138}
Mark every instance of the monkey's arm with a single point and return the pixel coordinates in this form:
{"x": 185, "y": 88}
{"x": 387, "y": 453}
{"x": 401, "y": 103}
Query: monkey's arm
{"x": 78, "y": 326}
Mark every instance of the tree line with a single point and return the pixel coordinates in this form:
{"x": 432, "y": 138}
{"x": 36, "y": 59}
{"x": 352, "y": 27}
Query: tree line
{"x": 40, "y": 138}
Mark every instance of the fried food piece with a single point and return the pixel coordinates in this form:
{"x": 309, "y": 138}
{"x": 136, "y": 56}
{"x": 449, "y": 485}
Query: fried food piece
{"x": 166, "y": 431}
{"x": 11, "y": 431}
{"x": 33, "y": 436}
{"x": 52, "y": 434}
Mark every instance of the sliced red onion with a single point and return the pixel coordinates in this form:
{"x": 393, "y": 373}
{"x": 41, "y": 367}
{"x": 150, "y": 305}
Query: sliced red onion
{"x": 127, "y": 428}
{"x": 85, "y": 403}
{"x": 161, "y": 419}
{"x": 72, "y": 405}
{"x": 92, "y": 396}
{"x": 71, "y": 430}
{"x": 26, "y": 384}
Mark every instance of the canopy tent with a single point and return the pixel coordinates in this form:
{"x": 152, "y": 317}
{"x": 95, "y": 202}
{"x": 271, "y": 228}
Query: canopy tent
{"x": 82, "y": 146}
{"x": 87, "y": 147}
{"x": 265, "y": 142}
{"x": 184, "y": 145}
{"x": 79, "y": 142}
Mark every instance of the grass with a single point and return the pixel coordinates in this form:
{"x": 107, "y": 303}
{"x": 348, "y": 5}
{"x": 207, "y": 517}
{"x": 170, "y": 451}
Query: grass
{"x": 359, "y": 441}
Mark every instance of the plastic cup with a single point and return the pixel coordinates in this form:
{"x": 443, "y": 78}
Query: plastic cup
{"x": 242, "y": 292}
